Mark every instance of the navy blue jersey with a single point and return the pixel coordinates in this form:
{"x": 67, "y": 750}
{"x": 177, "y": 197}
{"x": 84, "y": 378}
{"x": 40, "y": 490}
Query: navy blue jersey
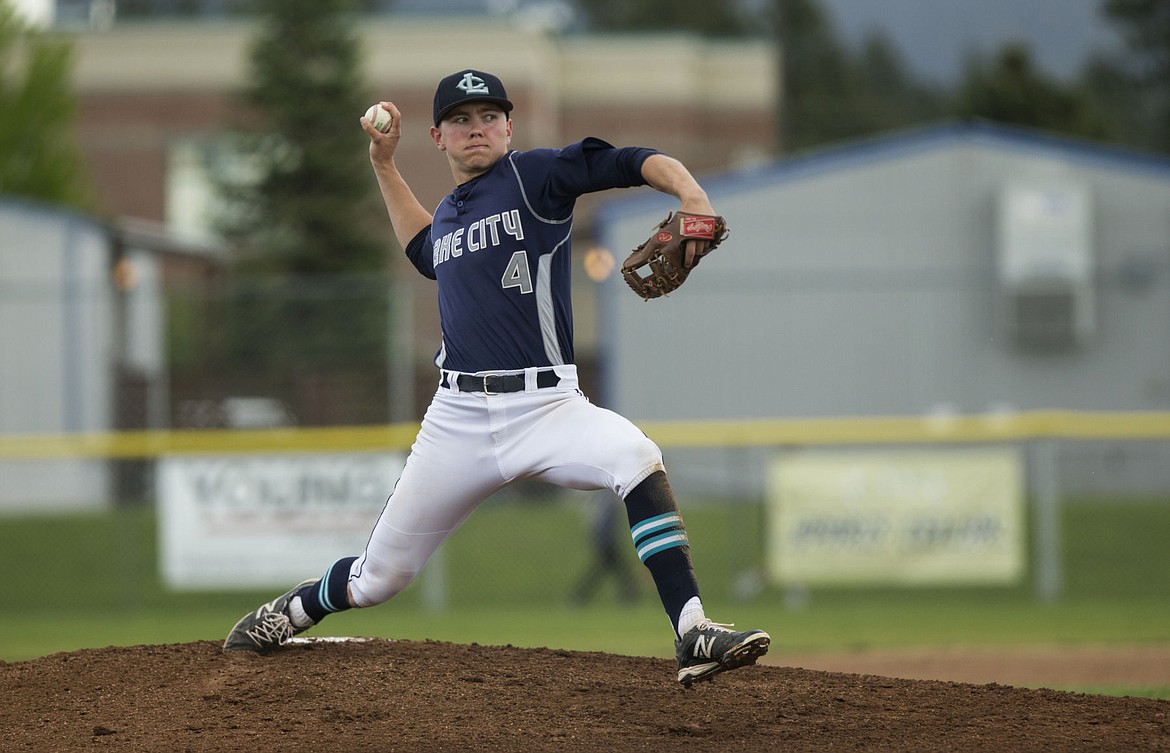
{"x": 499, "y": 248}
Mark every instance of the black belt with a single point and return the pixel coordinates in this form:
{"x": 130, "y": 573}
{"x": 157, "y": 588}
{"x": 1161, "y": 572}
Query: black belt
{"x": 496, "y": 383}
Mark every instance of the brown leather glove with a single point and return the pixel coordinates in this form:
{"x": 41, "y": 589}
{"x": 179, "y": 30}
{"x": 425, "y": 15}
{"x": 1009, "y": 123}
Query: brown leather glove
{"x": 665, "y": 253}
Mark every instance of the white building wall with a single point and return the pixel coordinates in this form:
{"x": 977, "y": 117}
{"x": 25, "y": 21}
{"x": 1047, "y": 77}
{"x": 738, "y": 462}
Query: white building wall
{"x": 56, "y": 372}
{"x": 862, "y": 281}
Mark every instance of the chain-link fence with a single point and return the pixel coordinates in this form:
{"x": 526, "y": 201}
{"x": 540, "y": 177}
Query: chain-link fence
{"x": 219, "y": 364}
{"x": 535, "y": 543}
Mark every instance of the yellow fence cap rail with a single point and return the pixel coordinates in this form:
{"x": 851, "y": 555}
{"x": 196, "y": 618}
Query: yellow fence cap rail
{"x": 929, "y": 429}
{"x": 148, "y": 444}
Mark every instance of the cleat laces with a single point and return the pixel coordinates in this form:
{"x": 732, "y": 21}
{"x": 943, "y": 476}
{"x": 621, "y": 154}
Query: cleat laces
{"x": 272, "y": 628}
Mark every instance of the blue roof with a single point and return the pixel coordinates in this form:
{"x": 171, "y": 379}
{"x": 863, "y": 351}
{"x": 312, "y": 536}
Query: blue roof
{"x": 45, "y": 209}
{"x": 853, "y": 154}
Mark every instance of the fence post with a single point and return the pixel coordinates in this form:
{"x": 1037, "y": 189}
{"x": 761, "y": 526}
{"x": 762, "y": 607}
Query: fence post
{"x": 433, "y": 582}
{"x": 1046, "y": 488}
{"x": 400, "y": 358}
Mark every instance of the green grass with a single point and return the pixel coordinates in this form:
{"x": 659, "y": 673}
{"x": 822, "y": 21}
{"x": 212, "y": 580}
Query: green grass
{"x": 91, "y": 580}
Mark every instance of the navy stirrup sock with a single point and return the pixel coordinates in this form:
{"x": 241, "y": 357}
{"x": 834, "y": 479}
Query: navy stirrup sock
{"x": 661, "y": 542}
{"x": 329, "y": 594}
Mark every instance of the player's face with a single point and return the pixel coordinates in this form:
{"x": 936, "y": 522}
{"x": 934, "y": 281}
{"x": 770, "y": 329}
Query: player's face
{"x": 474, "y": 136}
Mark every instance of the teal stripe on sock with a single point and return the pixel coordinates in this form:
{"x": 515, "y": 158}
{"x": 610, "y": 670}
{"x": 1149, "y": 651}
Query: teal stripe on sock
{"x": 323, "y": 592}
{"x": 657, "y": 523}
{"x": 657, "y": 544}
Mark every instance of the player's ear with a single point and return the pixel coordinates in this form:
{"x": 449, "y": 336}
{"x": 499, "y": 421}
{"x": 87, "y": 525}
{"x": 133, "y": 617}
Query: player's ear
{"x": 508, "y": 131}
{"x": 437, "y": 137}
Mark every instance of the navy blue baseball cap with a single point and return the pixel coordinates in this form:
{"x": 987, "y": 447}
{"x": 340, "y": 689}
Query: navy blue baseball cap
{"x": 469, "y": 86}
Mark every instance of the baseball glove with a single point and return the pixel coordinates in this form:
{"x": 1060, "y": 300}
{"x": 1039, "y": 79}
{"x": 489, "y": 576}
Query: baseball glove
{"x": 664, "y": 253}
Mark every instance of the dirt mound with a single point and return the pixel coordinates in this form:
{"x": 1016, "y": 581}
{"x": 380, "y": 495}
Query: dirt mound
{"x": 379, "y": 695}
{"x": 1088, "y": 666}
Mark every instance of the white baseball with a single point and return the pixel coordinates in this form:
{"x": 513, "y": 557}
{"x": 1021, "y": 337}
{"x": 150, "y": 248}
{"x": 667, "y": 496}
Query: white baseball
{"x": 379, "y": 116}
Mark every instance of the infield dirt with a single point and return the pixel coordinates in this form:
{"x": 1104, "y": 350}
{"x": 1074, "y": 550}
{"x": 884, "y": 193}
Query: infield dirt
{"x": 380, "y": 695}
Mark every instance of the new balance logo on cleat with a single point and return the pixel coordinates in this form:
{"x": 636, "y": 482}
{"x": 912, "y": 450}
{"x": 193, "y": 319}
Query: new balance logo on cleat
{"x": 703, "y": 646}
{"x": 266, "y": 629}
{"x": 710, "y": 648}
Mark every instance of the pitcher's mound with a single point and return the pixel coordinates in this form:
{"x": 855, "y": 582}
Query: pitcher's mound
{"x": 380, "y": 695}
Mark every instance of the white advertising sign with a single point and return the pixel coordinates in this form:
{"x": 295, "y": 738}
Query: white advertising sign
{"x": 245, "y": 521}
{"x": 896, "y": 517}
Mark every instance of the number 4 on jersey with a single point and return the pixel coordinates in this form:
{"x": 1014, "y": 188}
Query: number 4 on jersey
{"x": 517, "y": 275}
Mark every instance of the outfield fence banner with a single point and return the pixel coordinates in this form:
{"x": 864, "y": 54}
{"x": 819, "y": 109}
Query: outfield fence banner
{"x": 246, "y": 521}
{"x": 904, "y": 517}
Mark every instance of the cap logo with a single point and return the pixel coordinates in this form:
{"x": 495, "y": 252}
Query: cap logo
{"x": 472, "y": 84}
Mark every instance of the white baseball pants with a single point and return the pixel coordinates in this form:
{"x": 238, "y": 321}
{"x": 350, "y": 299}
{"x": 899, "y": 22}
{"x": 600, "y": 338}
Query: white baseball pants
{"x": 473, "y": 444}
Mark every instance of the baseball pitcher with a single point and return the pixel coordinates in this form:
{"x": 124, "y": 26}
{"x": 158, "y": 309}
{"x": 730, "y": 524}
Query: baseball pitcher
{"x": 508, "y": 406}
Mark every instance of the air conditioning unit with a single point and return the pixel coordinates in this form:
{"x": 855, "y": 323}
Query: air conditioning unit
{"x": 1045, "y": 265}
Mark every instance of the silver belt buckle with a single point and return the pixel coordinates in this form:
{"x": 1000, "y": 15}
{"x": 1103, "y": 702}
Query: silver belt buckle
{"x": 486, "y": 391}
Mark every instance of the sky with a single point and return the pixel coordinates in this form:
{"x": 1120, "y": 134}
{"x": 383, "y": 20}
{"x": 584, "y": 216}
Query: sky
{"x": 937, "y": 37}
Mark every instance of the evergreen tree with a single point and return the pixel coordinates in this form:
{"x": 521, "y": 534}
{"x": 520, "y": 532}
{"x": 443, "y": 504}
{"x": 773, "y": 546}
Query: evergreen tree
{"x": 305, "y": 224}
{"x": 1012, "y": 90}
{"x": 816, "y": 80}
{"x": 39, "y": 157}
{"x": 703, "y": 17}
{"x": 891, "y": 97}
{"x": 1146, "y": 27}
{"x": 830, "y": 93}
{"x": 1132, "y": 115}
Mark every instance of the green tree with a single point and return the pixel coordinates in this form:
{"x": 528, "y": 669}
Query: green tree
{"x": 306, "y": 226}
{"x": 1132, "y": 114}
{"x": 828, "y": 92}
{"x": 704, "y": 17}
{"x": 309, "y": 211}
{"x": 1011, "y": 90}
{"x": 816, "y": 81}
{"x": 891, "y": 96}
{"x": 39, "y": 157}
{"x": 831, "y": 93}
{"x": 1146, "y": 27}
